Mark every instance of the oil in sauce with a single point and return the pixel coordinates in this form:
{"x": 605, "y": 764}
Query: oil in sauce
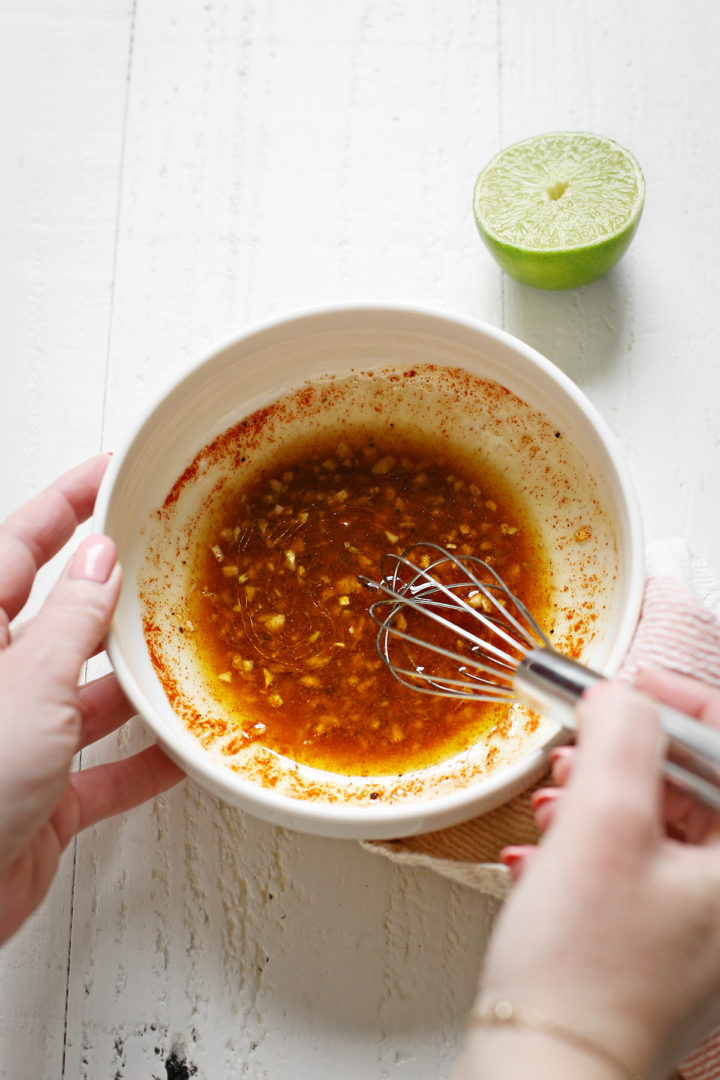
{"x": 281, "y": 623}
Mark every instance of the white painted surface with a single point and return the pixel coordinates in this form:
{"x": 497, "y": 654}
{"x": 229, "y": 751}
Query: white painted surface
{"x": 174, "y": 170}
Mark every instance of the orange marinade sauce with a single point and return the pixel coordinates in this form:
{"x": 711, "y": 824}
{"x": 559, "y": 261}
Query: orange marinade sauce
{"x": 281, "y": 623}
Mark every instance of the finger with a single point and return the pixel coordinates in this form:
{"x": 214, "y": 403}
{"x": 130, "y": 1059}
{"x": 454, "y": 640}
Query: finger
{"x": 103, "y": 708}
{"x": 544, "y": 803}
{"x": 73, "y": 619}
{"x": 615, "y": 784}
{"x": 688, "y": 695}
{"x": 38, "y": 530}
{"x": 41, "y": 720}
{"x": 688, "y": 820}
{"x": 22, "y": 628}
{"x": 517, "y": 858}
{"x": 561, "y": 759}
{"x": 121, "y": 785}
{"x": 685, "y": 817}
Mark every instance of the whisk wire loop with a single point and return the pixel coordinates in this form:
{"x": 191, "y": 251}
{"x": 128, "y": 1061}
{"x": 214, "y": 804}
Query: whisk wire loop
{"x": 413, "y": 580}
{"x": 524, "y": 667}
{"x": 529, "y": 631}
{"x": 473, "y": 670}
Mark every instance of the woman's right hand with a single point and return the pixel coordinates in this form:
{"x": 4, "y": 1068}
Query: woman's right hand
{"x": 613, "y": 930}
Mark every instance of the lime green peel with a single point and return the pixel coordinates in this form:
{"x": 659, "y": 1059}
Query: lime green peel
{"x": 559, "y": 210}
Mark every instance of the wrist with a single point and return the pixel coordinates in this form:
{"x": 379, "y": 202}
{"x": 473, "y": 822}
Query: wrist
{"x": 516, "y": 1054}
{"x": 563, "y": 1041}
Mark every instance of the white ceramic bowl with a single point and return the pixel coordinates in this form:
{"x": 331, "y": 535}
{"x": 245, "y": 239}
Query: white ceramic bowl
{"x": 588, "y": 483}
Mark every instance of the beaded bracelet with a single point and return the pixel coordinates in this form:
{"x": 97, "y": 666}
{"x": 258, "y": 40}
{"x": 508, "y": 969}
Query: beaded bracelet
{"x": 504, "y": 1013}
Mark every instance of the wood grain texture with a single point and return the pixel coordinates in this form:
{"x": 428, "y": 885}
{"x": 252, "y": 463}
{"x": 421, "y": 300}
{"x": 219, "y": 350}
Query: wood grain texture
{"x": 176, "y": 170}
{"x": 63, "y": 70}
{"x": 643, "y": 342}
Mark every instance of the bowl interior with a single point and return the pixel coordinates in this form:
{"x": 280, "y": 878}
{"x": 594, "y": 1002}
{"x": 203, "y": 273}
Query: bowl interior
{"x": 543, "y": 433}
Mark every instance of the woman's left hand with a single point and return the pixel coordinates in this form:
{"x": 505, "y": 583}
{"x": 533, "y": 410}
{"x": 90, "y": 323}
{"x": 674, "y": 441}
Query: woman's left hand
{"x": 45, "y": 717}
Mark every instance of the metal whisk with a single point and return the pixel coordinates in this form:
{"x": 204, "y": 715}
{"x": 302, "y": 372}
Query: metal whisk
{"x": 496, "y": 651}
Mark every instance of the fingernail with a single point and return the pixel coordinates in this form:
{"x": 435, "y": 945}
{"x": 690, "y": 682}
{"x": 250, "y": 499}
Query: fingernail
{"x": 543, "y": 804}
{"x": 544, "y": 796}
{"x": 559, "y": 753}
{"x": 514, "y": 860}
{"x": 94, "y": 559}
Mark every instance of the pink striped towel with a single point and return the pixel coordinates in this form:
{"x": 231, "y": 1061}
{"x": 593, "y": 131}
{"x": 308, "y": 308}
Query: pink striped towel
{"x": 679, "y": 629}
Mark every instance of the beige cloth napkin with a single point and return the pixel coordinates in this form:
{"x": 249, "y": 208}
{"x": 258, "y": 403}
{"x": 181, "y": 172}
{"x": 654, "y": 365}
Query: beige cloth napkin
{"x": 679, "y": 629}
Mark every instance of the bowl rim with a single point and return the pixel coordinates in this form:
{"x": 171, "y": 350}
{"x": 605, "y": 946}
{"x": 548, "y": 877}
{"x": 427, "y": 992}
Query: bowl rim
{"x": 386, "y": 820}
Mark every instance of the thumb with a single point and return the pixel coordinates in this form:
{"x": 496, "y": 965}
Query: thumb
{"x": 41, "y": 669}
{"x": 617, "y": 774}
{"x": 77, "y": 613}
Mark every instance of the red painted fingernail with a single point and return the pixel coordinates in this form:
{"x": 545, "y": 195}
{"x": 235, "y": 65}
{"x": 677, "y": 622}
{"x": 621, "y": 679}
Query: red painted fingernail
{"x": 543, "y": 796}
{"x": 543, "y": 804}
{"x": 94, "y": 559}
{"x": 514, "y": 861}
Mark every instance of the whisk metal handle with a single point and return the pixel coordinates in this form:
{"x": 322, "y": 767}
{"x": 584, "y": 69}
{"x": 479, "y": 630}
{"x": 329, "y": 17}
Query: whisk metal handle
{"x": 546, "y": 678}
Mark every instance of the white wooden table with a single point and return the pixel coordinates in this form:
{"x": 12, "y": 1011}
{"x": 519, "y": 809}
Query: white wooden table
{"x": 172, "y": 171}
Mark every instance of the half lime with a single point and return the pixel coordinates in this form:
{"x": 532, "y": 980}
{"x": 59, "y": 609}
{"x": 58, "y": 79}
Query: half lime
{"x": 559, "y": 210}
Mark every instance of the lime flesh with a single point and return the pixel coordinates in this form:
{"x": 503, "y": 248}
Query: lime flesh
{"x": 559, "y": 210}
